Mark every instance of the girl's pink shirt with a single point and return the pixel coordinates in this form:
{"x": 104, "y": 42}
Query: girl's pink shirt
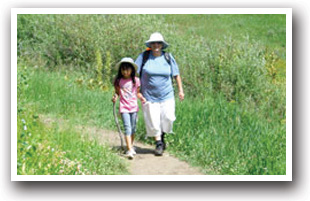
{"x": 128, "y": 95}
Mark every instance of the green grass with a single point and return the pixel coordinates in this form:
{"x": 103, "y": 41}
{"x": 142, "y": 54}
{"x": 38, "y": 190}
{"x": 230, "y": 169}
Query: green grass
{"x": 225, "y": 138}
{"x": 219, "y": 136}
{"x": 60, "y": 97}
{"x": 53, "y": 149}
{"x": 268, "y": 29}
{"x": 233, "y": 70}
{"x": 44, "y": 150}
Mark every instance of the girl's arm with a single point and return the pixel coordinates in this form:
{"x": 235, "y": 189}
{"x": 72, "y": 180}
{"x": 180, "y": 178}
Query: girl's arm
{"x": 116, "y": 94}
{"x": 180, "y": 87}
{"x": 140, "y": 96}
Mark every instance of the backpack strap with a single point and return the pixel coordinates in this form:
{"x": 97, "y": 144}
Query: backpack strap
{"x": 168, "y": 59}
{"x": 145, "y": 57}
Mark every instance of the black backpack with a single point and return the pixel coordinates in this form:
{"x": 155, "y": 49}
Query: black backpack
{"x": 145, "y": 57}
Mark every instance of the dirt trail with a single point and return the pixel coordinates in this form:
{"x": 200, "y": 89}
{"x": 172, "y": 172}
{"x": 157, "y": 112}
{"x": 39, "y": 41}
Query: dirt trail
{"x": 145, "y": 162}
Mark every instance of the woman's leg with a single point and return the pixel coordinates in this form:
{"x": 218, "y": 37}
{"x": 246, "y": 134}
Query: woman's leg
{"x": 167, "y": 118}
{"x": 159, "y": 150}
{"x": 163, "y": 140}
{"x": 151, "y": 112}
{"x": 167, "y": 115}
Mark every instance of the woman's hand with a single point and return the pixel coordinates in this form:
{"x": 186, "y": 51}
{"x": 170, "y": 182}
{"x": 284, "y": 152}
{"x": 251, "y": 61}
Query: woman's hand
{"x": 115, "y": 96}
{"x": 179, "y": 83}
{"x": 181, "y": 95}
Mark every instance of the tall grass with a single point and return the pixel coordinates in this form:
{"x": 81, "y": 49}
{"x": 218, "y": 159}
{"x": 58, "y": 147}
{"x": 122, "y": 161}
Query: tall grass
{"x": 226, "y": 138}
{"x": 57, "y": 96}
{"x": 233, "y": 118}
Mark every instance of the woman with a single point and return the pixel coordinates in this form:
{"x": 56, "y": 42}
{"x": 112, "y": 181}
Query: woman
{"x": 157, "y": 69}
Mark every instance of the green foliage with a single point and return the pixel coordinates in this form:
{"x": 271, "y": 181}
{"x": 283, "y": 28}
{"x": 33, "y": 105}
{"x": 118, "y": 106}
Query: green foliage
{"x": 99, "y": 66}
{"x": 107, "y": 71}
{"x": 226, "y": 63}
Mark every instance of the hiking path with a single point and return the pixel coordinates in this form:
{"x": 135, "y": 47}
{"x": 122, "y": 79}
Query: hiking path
{"x": 144, "y": 162}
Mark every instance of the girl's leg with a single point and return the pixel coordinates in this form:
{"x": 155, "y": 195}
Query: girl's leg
{"x": 128, "y": 142}
{"x": 132, "y": 139}
{"x": 127, "y": 127}
{"x": 133, "y": 117}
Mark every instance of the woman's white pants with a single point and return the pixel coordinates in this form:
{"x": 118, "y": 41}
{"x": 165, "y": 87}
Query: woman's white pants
{"x": 159, "y": 117}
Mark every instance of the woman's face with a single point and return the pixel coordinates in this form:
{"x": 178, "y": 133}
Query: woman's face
{"x": 156, "y": 46}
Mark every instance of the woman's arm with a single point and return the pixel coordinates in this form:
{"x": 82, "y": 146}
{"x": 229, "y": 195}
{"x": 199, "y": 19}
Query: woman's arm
{"x": 180, "y": 87}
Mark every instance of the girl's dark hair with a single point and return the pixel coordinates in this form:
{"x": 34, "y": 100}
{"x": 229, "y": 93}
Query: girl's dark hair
{"x": 119, "y": 74}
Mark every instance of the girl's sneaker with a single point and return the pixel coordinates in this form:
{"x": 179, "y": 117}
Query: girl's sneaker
{"x": 130, "y": 154}
{"x": 134, "y": 150}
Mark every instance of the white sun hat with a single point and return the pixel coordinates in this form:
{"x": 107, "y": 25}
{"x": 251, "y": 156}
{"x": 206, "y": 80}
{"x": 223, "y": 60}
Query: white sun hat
{"x": 156, "y": 37}
{"x": 126, "y": 60}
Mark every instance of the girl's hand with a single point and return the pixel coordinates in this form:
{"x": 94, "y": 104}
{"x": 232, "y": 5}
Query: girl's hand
{"x": 115, "y": 96}
{"x": 143, "y": 100}
{"x": 181, "y": 95}
{"x": 141, "y": 97}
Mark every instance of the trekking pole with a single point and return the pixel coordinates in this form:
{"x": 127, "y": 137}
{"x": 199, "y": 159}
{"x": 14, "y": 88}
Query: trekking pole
{"x": 117, "y": 124}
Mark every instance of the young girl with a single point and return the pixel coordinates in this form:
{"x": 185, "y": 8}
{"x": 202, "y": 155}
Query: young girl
{"x": 127, "y": 87}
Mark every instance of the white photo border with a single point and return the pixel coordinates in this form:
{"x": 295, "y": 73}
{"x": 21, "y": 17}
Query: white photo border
{"x": 286, "y": 11}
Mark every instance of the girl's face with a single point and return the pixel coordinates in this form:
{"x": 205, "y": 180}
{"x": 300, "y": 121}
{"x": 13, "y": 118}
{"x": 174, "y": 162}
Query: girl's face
{"x": 126, "y": 71}
{"x": 156, "y": 46}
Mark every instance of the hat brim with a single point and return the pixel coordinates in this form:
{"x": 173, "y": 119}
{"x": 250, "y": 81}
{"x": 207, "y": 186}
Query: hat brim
{"x": 119, "y": 64}
{"x": 148, "y": 43}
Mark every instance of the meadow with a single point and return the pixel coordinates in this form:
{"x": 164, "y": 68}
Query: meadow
{"x": 232, "y": 120}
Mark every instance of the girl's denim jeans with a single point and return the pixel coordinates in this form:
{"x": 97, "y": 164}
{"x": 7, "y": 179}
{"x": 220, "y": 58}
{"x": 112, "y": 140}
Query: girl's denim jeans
{"x": 129, "y": 121}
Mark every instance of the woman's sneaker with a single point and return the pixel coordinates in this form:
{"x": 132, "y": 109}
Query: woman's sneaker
{"x": 130, "y": 154}
{"x": 159, "y": 150}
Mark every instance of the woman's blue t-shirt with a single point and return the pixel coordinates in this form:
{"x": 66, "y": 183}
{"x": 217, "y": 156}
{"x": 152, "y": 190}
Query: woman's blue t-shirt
{"x": 156, "y": 83}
